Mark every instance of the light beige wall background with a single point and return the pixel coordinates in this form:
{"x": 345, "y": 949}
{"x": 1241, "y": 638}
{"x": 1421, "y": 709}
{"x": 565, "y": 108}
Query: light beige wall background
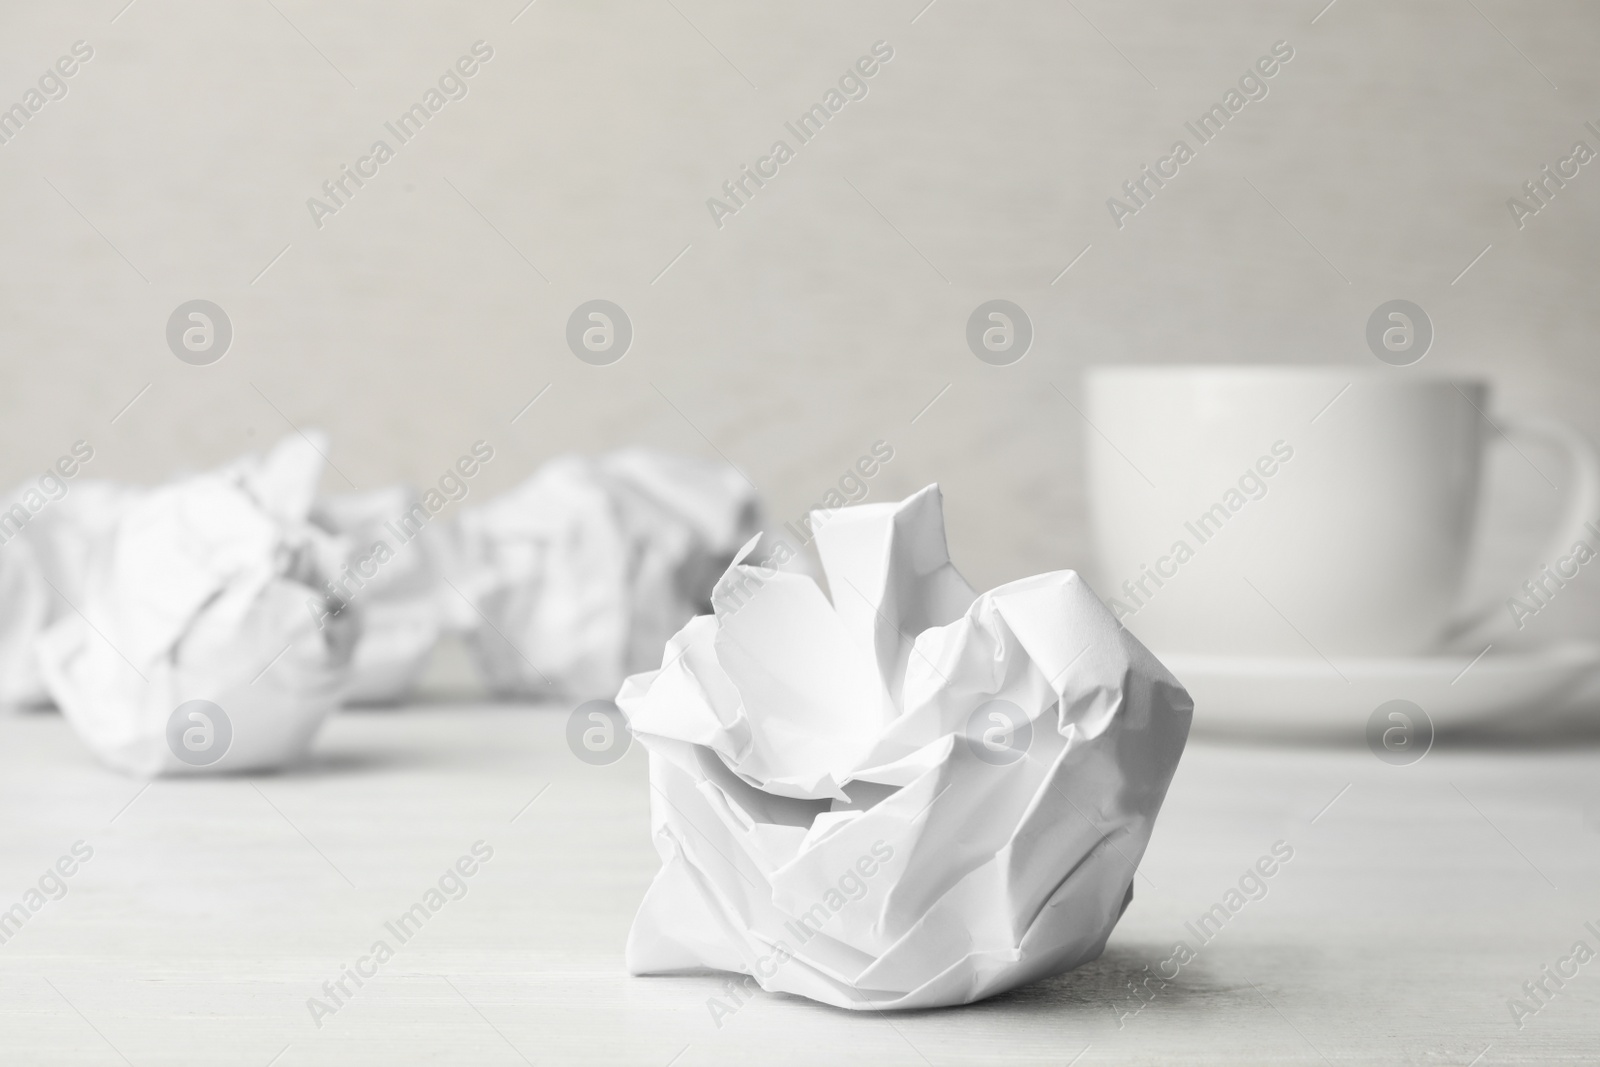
{"x": 828, "y": 313}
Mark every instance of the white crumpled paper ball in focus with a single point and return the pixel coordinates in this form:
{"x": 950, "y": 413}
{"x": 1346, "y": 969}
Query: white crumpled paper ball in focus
{"x": 194, "y": 643}
{"x": 910, "y": 797}
{"x": 580, "y": 574}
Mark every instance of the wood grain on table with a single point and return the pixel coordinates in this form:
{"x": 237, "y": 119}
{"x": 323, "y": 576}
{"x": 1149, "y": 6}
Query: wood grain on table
{"x": 1417, "y": 903}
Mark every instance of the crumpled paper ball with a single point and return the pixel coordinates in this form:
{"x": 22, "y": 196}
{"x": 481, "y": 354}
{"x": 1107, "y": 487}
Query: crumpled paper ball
{"x": 908, "y": 797}
{"x": 393, "y": 576}
{"x": 24, "y": 614}
{"x": 43, "y": 561}
{"x": 201, "y": 638}
{"x": 579, "y": 575}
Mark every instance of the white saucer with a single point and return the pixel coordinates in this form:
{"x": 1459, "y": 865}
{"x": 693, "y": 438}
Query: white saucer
{"x": 1273, "y": 697}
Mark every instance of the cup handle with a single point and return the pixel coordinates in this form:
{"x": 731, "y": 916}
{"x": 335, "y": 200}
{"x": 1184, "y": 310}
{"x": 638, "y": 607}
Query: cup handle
{"x": 1582, "y": 507}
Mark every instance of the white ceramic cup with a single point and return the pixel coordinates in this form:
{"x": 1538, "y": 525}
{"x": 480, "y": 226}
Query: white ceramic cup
{"x": 1298, "y": 511}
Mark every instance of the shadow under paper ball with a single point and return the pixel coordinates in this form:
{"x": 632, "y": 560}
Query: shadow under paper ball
{"x": 1106, "y": 985}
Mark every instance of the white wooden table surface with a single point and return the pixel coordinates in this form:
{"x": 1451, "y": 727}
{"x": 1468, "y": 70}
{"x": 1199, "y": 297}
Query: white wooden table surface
{"x": 1414, "y": 907}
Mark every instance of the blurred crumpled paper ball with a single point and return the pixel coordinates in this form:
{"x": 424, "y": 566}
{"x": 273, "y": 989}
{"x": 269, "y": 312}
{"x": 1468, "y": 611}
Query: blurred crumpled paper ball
{"x": 197, "y": 598}
{"x": 392, "y": 579}
{"x": 577, "y": 576}
{"x": 910, "y": 797}
{"x": 42, "y": 568}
